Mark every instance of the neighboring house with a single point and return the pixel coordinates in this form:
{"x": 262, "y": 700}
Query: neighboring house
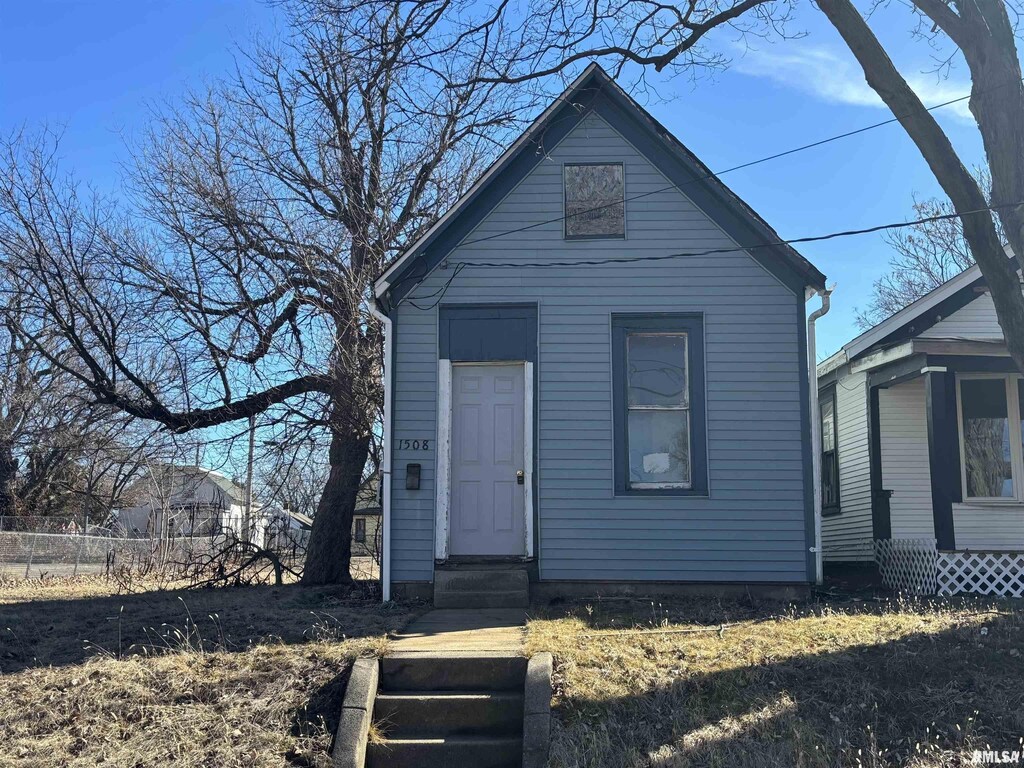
{"x": 287, "y": 529}
{"x": 366, "y": 522}
{"x": 922, "y": 419}
{"x": 607, "y": 424}
{"x": 187, "y": 501}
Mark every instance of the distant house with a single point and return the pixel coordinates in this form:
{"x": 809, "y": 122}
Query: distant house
{"x": 366, "y": 522}
{"x": 289, "y": 528}
{"x": 598, "y": 374}
{"x": 286, "y": 528}
{"x": 922, "y": 425}
{"x": 187, "y": 501}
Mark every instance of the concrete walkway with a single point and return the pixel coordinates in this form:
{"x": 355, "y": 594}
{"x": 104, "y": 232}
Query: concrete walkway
{"x": 460, "y": 630}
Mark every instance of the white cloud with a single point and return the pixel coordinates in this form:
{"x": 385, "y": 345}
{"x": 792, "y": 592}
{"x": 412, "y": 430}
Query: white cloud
{"x": 838, "y": 79}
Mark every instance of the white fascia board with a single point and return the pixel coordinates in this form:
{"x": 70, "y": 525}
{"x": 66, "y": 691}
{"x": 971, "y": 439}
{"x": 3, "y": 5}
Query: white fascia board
{"x": 905, "y": 315}
{"x": 883, "y": 357}
{"x": 830, "y": 364}
{"x": 383, "y": 282}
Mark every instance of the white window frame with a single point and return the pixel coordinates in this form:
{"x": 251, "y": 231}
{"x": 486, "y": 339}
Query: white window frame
{"x": 688, "y": 485}
{"x": 1013, "y": 414}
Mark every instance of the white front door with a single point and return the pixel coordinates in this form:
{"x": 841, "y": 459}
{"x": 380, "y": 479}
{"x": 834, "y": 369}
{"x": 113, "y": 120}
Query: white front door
{"x": 488, "y": 466}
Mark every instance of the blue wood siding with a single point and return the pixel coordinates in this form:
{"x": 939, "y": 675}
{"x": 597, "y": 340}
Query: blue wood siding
{"x": 753, "y": 527}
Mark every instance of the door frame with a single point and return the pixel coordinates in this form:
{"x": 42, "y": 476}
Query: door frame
{"x": 442, "y": 501}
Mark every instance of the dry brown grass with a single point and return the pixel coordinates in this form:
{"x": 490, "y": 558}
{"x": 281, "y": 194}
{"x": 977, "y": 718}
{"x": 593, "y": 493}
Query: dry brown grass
{"x": 844, "y": 684}
{"x": 219, "y": 677}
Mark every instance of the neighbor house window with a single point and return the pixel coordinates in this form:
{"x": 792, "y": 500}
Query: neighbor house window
{"x": 594, "y": 200}
{"x": 658, "y": 373}
{"x": 991, "y": 437}
{"x": 360, "y": 534}
{"x": 829, "y": 454}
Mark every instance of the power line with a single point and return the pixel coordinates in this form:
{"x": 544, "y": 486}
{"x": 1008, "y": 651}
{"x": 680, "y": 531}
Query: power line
{"x": 741, "y": 166}
{"x": 710, "y": 175}
{"x": 738, "y": 249}
{"x": 461, "y": 265}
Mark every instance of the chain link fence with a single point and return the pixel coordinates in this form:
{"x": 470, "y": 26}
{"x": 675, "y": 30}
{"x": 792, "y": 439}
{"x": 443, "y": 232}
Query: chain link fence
{"x": 45, "y": 547}
{"x": 37, "y": 554}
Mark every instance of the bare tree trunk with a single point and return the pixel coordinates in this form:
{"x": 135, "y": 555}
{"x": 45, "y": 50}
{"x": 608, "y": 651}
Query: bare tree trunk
{"x": 979, "y": 228}
{"x": 8, "y": 475}
{"x": 330, "y": 542}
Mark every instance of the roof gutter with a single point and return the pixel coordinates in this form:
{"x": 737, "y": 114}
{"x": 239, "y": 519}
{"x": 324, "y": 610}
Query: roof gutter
{"x": 812, "y": 372}
{"x": 385, "y": 480}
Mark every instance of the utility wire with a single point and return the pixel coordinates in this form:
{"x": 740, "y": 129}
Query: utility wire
{"x": 741, "y": 166}
{"x": 738, "y": 249}
{"x": 458, "y": 266}
{"x": 711, "y": 175}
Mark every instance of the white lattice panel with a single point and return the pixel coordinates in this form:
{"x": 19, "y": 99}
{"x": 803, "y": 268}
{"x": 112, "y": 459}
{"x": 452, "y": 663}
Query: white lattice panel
{"x": 992, "y": 573}
{"x": 907, "y": 565}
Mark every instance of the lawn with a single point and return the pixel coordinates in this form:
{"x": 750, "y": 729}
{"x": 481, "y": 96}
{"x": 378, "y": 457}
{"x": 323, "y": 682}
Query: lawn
{"x": 253, "y": 676}
{"x": 248, "y": 676}
{"x": 819, "y": 685}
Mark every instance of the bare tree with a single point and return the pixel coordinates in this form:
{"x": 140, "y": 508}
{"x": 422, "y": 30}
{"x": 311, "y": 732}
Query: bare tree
{"x": 292, "y": 478}
{"x": 985, "y": 35}
{"x": 924, "y": 257}
{"x": 58, "y": 456}
{"x": 236, "y": 283}
{"x": 554, "y": 36}
{"x": 24, "y": 386}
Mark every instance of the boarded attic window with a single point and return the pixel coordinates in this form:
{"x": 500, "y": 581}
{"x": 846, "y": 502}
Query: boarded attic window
{"x": 594, "y": 201}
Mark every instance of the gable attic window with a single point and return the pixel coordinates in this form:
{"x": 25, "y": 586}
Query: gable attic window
{"x": 658, "y": 380}
{"x": 594, "y": 200}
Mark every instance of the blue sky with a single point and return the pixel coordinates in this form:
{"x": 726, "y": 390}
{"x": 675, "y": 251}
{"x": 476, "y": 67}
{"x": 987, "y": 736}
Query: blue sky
{"x": 95, "y": 68}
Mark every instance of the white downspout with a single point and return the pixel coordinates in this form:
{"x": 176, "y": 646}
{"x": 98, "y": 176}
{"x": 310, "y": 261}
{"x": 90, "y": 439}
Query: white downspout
{"x": 812, "y": 371}
{"x": 385, "y": 480}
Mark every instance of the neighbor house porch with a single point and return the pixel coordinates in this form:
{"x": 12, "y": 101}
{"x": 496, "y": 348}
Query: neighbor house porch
{"x": 946, "y": 456}
{"x": 946, "y": 463}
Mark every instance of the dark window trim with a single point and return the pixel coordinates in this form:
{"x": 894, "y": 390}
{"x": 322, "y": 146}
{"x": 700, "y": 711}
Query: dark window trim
{"x": 565, "y": 204}
{"x": 692, "y": 324}
{"x": 824, "y": 394}
{"x": 360, "y": 532}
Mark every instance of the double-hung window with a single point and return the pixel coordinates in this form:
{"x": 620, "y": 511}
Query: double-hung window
{"x": 658, "y": 378}
{"x": 360, "y": 530}
{"x": 991, "y": 443}
{"x": 829, "y": 453}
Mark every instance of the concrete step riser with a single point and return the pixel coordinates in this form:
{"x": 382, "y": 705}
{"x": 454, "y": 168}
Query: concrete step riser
{"x": 481, "y": 588}
{"x": 446, "y": 753}
{"x": 410, "y": 715}
{"x": 431, "y": 673}
{"x": 516, "y": 599}
{"x": 481, "y": 581}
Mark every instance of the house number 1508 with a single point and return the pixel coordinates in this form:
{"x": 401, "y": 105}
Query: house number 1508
{"x": 414, "y": 445}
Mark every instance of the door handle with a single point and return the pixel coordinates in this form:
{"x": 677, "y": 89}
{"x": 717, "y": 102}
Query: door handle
{"x": 520, "y": 477}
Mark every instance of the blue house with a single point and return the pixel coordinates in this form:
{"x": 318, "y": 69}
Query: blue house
{"x": 597, "y": 376}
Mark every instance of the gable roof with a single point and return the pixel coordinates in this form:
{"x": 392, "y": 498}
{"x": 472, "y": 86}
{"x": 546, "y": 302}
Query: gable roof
{"x": 191, "y": 474}
{"x": 595, "y": 91}
{"x": 914, "y": 319}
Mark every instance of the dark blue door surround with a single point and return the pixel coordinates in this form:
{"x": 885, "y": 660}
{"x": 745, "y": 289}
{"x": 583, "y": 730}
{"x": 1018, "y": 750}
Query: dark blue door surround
{"x": 479, "y": 333}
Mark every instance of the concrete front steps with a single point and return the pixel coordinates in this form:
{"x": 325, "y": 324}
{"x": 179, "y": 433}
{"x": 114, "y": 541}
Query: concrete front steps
{"x": 459, "y": 711}
{"x": 482, "y": 587}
